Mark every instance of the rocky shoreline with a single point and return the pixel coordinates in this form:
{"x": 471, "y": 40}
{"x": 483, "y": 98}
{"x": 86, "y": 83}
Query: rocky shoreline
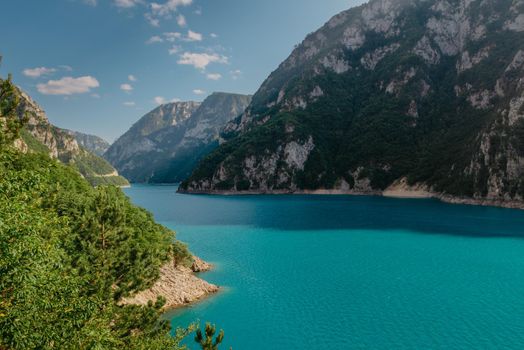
{"x": 399, "y": 189}
{"x": 178, "y": 285}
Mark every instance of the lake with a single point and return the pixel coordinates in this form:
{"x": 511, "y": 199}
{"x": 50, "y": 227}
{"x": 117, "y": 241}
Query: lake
{"x": 350, "y": 272}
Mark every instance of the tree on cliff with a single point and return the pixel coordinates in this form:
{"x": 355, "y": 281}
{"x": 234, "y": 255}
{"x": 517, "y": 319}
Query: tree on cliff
{"x": 10, "y": 123}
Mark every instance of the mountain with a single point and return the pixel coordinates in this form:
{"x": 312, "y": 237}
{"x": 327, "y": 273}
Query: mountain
{"x": 166, "y": 144}
{"x": 39, "y": 135}
{"x": 92, "y": 143}
{"x": 420, "y": 94}
{"x": 134, "y": 152}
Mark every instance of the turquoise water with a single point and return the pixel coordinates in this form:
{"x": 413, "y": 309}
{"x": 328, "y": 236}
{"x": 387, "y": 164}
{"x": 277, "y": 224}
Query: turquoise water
{"x": 320, "y": 272}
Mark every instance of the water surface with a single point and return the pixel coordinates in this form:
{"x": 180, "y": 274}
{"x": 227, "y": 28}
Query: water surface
{"x": 341, "y": 272}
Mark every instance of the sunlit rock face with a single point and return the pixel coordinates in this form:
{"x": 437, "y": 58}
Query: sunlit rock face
{"x": 62, "y": 144}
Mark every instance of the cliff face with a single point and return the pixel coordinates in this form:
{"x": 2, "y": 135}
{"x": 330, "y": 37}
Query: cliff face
{"x": 92, "y": 143}
{"x": 59, "y": 144}
{"x": 40, "y": 135}
{"x": 431, "y": 91}
{"x": 166, "y": 143}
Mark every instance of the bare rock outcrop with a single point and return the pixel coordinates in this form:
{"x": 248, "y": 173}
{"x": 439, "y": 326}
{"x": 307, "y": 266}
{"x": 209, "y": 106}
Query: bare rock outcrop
{"x": 178, "y": 285}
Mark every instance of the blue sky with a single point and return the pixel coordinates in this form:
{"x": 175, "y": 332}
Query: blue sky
{"x": 97, "y": 66}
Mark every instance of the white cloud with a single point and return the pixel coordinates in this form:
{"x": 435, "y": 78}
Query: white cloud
{"x": 154, "y": 39}
{"x": 126, "y": 3}
{"x": 66, "y": 68}
{"x": 174, "y": 50}
{"x": 201, "y": 60}
{"x": 172, "y": 36}
{"x": 126, "y": 87}
{"x": 38, "y": 72}
{"x": 213, "y": 35}
{"x": 68, "y": 86}
{"x": 199, "y": 92}
{"x": 95, "y": 96}
{"x": 129, "y": 104}
{"x": 165, "y": 10}
{"x": 181, "y": 20}
{"x": 193, "y": 36}
{"x": 168, "y": 7}
{"x": 214, "y": 76}
{"x": 159, "y": 100}
{"x": 91, "y": 2}
{"x": 175, "y": 100}
{"x": 155, "y": 22}
{"x": 131, "y": 77}
{"x": 235, "y": 74}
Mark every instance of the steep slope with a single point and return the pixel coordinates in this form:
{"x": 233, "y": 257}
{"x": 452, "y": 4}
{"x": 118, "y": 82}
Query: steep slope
{"x": 92, "y": 143}
{"x": 431, "y": 91}
{"x": 166, "y": 143}
{"x": 40, "y": 135}
{"x": 201, "y": 136}
{"x": 134, "y": 152}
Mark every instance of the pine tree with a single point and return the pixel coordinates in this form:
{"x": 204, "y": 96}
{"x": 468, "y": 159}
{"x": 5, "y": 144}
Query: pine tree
{"x": 10, "y": 122}
{"x": 207, "y": 343}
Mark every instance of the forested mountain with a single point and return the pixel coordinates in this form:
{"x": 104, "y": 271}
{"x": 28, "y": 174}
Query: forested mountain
{"x": 429, "y": 92}
{"x": 165, "y": 145}
{"x": 41, "y": 136}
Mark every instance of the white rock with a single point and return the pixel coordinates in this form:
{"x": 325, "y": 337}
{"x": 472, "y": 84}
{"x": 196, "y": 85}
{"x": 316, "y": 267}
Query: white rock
{"x": 424, "y": 50}
{"x": 371, "y": 59}
{"x": 296, "y": 155}
{"x": 517, "y": 25}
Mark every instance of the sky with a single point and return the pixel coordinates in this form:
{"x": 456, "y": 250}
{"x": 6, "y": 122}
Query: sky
{"x": 97, "y": 66}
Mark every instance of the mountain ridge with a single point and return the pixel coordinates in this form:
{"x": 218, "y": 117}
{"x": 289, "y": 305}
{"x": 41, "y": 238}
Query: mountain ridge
{"x": 426, "y": 90}
{"x": 92, "y": 143}
{"x": 164, "y": 145}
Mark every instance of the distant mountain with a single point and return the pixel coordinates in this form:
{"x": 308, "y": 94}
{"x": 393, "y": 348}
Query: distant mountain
{"x": 166, "y": 144}
{"x": 92, "y": 143}
{"x": 39, "y": 135}
{"x": 424, "y": 93}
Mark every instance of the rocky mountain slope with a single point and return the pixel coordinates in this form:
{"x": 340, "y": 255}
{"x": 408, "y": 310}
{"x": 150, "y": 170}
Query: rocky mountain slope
{"x": 92, "y": 143}
{"x": 40, "y": 135}
{"x": 429, "y": 93}
{"x": 165, "y": 145}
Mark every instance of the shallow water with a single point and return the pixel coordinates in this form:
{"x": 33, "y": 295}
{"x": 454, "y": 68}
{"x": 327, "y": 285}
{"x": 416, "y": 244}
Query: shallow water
{"x": 340, "y": 272}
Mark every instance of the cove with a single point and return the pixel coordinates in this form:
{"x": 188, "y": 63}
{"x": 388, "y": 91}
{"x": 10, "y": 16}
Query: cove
{"x": 348, "y": 272}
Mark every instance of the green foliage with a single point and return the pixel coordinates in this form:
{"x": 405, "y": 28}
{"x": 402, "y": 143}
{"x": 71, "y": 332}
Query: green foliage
{"x": 181, "y": 254}
{"x": 96, "y": 170}
{"x": 69, "y": 252}
{"x": 89, "y": 163}
{"x": 207, "y": 342}
{"x": 10, "y": 122}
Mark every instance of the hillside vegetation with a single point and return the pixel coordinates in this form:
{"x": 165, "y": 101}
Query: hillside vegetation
{"x": 39, "y": 135}
{"x": 69, "y": 252}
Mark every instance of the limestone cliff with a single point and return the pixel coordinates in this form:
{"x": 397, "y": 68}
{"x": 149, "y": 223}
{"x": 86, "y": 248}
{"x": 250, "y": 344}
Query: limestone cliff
{"x": 39, "y": 135}
{"x": 427, "y": 90}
